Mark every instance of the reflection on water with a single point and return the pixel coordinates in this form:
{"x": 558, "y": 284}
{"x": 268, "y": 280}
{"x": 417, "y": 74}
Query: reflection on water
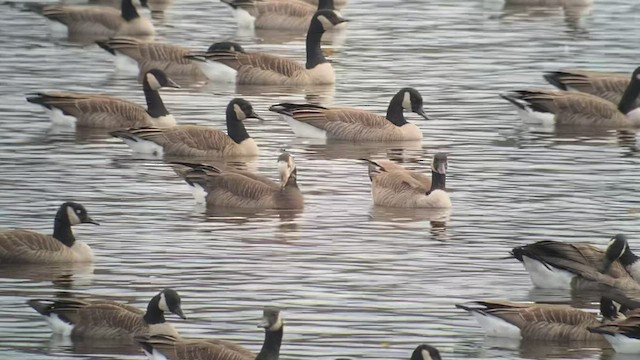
{"x": 354, "y": 280}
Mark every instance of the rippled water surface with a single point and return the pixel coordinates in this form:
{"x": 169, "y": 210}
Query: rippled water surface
{"x": 354, "y": 280}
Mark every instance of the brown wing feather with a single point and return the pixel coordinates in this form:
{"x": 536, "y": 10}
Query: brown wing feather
{"x": 103, "y": 319}
{"x": 236, "y": 190}
{"x": 149, "y": 51}
{"x": 246, "y": 63}
{"x": 85, "y": 18}
{"x": 24, "y": 246}
{"x": 187, "y": 139}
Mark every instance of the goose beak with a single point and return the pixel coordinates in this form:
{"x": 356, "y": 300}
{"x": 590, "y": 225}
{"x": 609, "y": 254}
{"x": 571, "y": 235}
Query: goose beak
{"x": 89, "y": 220}
{"x": 172, "y": 84}
{"x": 264, "y": 324}
{"x": 253, "y": 115}
{"x": 178, "y": 311}
{"x": 422, "y": 113}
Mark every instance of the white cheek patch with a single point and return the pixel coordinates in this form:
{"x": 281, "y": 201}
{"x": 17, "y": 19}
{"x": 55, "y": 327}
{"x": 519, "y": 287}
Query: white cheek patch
{"x": 406, "y": 102}
{"x": 426, "y": 355}
{"x": 278, "y": 325}
{"x": 153, "y": 82}
{"x": 162, "y": 304}
{"x": 73, "y": 217}
{"x": 326, "y": 23}
{"x": 239, "y": 113}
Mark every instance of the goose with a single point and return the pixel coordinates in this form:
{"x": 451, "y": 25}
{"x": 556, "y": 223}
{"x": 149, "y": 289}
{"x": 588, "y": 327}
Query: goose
{"x": 100, "y": 21}
{"x": 275, "y": 14}
{"x": 103, "y": 111}
{"x": 539, "y": 321}
{"x": 169, "y": 58}
{"x": 339, "y": 4}
{"x": 609, "y": 86}
{"x": 168, "y": 348}
{"x": 195, "y": 140}
{"x": 623, "y": 335}
{"x": 559, "y": 265}
{"x": 26, "y": 246}
{"x": 388, "y": 166}
{"x": 578, "y": 109}
{"x": 401, "y": 189}
{"x": 258, "y": 68}
{"x": 425, "y": 352}
{"x": 315, "y": 121}
{"x": 242, "y": 189}
{"x": 109, "y": 319}
{"x": 549, "y": 2}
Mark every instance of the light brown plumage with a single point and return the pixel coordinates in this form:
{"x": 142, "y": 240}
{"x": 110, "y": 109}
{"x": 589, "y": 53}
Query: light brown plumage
{"x": 281, "y": 14}
{"x": 26, "y": 246}
{"x": 393, "y": 174}
{"x": 202, "y": 349}
{"x": 609, "y": 86}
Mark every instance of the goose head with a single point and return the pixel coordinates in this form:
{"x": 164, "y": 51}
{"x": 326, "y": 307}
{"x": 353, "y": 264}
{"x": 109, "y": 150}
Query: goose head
{"x": 156, "y": 79}
{"x": 242, "y": 109}
{"x": 74, "y": 214}
{"x": 271, "y": 319}
{"x": 225, "y": 46}
{"x": 412, "y": 101}
{"x": 439, "y": 164}
{"x": 425, "y": 352}
{"x": 169, "y": 301}
{"x": 325, "y": 20}
{"x": 286, "y": 168}
{"x": 618, "y": 245}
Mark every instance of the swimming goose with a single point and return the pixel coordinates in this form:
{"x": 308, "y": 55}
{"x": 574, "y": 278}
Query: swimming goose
{"x": 242, "y": 189}
{"x": 197, "y": 141}
{"x": 168, "y": 348}
{"x": 559, "y": 265}
{"x": 100, "y": 22}
{"x": 169, "y": 58}
{"x": 387, "y": 167}
{"x": 275, "y": 14}
{"x": 578, "y": 109}
{"x": 109, "y": 319}
{"x": 264, "y": 69}
{"x": 315, "y": 121}
{"x": 549, "y": 2}
{"x": 539, "y": 321}
{"x": 26, "y": 246}
{"x": 609, "y": 86}
{"x": 623, "y": 335}
{"x": 425, "y": 352}
{"x": 401, "y": 189}
{"x": 103, "y": 111}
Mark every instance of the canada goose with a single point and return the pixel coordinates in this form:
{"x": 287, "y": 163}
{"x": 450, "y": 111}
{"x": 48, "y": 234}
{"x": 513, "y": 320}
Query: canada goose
{"x": 538, "y": 321}
{"x": 242, "y": 189}
{"x": 401, "y": 189}
{"x": 425, "y": 352}
{"x": 197, "y": 141}
{"x": 559, "y": 265}
{"x": 264, "y": 69}
{"x": 168, "y": 348}
{"x": 339, "y": 4}
{"x": 275, "y": 14}
{"x": 623, "y": 335}
{"x": 609, "y": 86}
{"x": 315, "y": 121}
{"x": 109, "y": 319}
{"x": 169, "y": 58}
{"x": 26, "y": 246}
{"x": 100, "y": 22}
{"x": 578, "y": 109}
{"x": 388, "y": 166}
{"x": 549, "y": 2}
{"x": 103, "y": 111}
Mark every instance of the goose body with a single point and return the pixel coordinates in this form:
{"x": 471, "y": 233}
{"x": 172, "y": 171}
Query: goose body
{"x": 197, "y": 141}
{"x": 109, "y": 319}
{"x": 396, "y": 188}
{"x": 314, "y": 121}
{"x": 338, "y": 4}
{"x": 30, "y": 247}
{"x": 608, "y": 86}
{"x": 292, "y": 15}
{"x": 623, "y": 335}
{"x": 562, "y": 108}
{"x": 425, "y": 352}
{"x": 549, "y": 2}
{"x": 241, "y": 189}
{"x": 103, "y": 111}
{"x": 168, "y": 348}
{"x": 100, "y": 22}
{"x": 256, "y": 68}
{"x": 559, "y": 265}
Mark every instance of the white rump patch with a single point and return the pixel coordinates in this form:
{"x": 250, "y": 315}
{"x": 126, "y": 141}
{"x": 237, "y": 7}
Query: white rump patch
{"x": 126, "y": 64}
{"x": 73, "y": 217}
{"x": 217, "y": 72}
{"x": 547, "y": 278}
{"x": 406, "y": 102}
{"x": 533, "y": 117}
{"x": 57, "y": 28}
{"x": 303, "y": 129}
{"x": 634, "y": 115}
{"x": 165, "y": 121}
{"x": 623, "y": 344}
{"x": 244, "y": 19}
{"x": 58, "y": 118}
{"x": 144, "y": 147}
{"x": 153, "y": 81}
{"x": 494, "y": 326}
{"x": 199, "y": 194}
{"x": 58, "y": 326}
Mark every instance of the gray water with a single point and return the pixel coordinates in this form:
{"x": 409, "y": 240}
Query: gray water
{"x": 354, "y": 280}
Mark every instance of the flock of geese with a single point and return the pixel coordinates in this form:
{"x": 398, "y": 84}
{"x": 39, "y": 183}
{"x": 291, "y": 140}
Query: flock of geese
{"x": 583, "y": 99}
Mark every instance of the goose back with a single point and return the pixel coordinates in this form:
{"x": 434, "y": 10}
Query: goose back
{"x": 608, "y": 86}
{"x": 26, "y": 246}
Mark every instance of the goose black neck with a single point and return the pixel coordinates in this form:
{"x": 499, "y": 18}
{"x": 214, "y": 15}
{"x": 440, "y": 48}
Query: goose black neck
{"x": 154, "y": 315}
{"x": 315, "y": 56}
{"x": 271, "y": 347}
{"x": 438, "y": 181}
{"x": 628, "y": 100}
{"x": 292, "y": 181}
{"x": 235, "y": 128}
{"x": 395, "y": 111}
{"x": 155, "y": 106}
{"x": 628, "y": 257}
{"x": 128, "y": 11}
{"x": 326, "y": 4}
{"x": 62, "y": 228}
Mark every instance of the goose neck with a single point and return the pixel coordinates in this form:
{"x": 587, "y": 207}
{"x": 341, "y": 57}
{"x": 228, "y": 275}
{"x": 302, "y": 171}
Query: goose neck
{"x": 438, "y": 181}
{"x": 395, "y": 111}
{"x": 154, "y": 315}
{"x": 315, "y": 56}
{"x": 271, "y": 346}
{"x": 128, "y": 11}
{"x": 235, "y": 128}
{"x": 155, "y": 105}
{"x": 62, "y": 228}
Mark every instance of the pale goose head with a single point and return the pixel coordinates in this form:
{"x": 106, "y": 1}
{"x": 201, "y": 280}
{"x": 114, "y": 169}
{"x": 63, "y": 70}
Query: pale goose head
{"x": 287, "y": 170}
{"x": 425, "y": 352}
{"x": 167, "y": 300}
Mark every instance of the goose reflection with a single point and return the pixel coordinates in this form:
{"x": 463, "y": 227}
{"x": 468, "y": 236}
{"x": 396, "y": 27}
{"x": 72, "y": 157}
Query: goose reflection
{"x": 573, "y": 11}
{"x": 62, "y": 276}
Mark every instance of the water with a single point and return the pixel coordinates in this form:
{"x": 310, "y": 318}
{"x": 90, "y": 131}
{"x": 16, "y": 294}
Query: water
{"x": 354, "y": 281}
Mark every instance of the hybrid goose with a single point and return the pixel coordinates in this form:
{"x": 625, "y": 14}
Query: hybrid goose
{"x": 169, "y": 348}
{"x": 315, "y": 121}
{"x": 401, "y": 189}
{"x": 623, "y": 335}
{"x": 103, "y": 319}
{"x": 100, "y": 22}
{"x": 197, "y": 141}
{"x": 425, "y": 352}
{"x": 539, "y": 321}
{"x": 103, "y": 111}
{"x": 26, "y": 246}
{"x": 264, "y": 69}
{"x": 169, "y": 58}
{"x": 559, "y": 265}
{"x": 578, "y": 109}
{"x": 242, "y": 189}
{"x": 292, "y": 15}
